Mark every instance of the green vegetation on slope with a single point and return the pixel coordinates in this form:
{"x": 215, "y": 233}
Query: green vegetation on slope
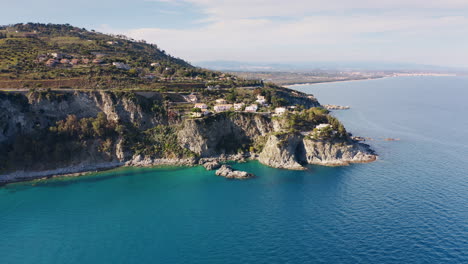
{"x": 62, "y": 56}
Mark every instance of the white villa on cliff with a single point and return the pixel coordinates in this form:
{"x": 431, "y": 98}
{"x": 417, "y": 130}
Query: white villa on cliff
{"x": 202, "y": 106}
{"x": 251, "y": 108}
{"x": 280, "y": 110}
{"x": 222, "y": 107}
{"x": 261, "y": 100}
{"x": 221, "y": 101}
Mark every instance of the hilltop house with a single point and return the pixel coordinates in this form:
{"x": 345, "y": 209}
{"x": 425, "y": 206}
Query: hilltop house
{"x": 120, "y": 65}
{"x": 261, "y": 100}
{"x": 197, "y": 114}
{"x": 201, "y": 106}
{"x": 221, "y": 101}
{"x": 251, "y": 108}
{"x": 222, "y": 107}
{"x": 320, "y": 130}
{"x": 56, "y": 55}
{"x": 280, "y": 110}
{"x": 321, "y": 126}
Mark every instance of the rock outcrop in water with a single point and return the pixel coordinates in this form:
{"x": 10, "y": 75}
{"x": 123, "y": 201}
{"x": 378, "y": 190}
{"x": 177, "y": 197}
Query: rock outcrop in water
{"x": 228, "y": 172}
{"x": 58, "y": 132}
{"x": 211, "y": 165}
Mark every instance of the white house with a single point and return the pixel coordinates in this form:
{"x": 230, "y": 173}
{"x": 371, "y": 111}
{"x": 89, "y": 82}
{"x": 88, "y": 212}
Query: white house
{"x": 239, "y": 106}
{"x": 197, "y": 114}
{"x": 221, "y": 101}
{"x": 120, "y": 65}
{"x": 251, "y": 108}
{"x": 261, "y": 99}
{"x": 222, "y": 107}
{"x": 201, "y": 106}
{"x": 319, "y": 130}
{"x": 321, "y": 126}
{"x": 57, "y": 55}
{"x": 280, "y": 110}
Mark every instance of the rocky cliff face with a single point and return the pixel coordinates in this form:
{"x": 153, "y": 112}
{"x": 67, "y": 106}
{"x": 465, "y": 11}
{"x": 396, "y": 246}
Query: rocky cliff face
{"x": 224, "y": 133}
{"x": 292, "y": 151}
{"x": 28, "y": 117}
{"x": 337, "y": 153}
{"x": 28, "y": 112}
{"x": 284, "y": 151}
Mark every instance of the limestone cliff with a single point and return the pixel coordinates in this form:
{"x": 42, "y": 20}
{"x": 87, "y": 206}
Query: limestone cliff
{"x": 45, "y": 133}
{"x": 283, "y": 151}
{"x": 22, "y": 112}
{"x": 336, "y": 153}
{"x": 224, "y": 133}
{"x": 294, "y": 151}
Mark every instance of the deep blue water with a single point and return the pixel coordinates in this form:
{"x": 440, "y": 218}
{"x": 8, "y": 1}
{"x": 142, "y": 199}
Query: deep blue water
{"x": 411, "y": 206}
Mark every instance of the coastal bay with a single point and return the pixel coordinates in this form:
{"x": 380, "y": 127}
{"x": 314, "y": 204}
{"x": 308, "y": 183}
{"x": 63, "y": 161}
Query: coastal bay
{"x": 407, "y": 207}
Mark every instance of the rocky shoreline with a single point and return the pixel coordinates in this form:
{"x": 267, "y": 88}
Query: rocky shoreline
{"x": 103, "y": 130}
{"x": 210, "y": 163}
{"x": 137, "y": 161}
{"x": 78, "y": 170}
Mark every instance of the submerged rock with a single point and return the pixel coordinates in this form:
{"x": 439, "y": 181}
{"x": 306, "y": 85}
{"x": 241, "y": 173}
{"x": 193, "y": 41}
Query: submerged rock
{"x": 228, "y": 172}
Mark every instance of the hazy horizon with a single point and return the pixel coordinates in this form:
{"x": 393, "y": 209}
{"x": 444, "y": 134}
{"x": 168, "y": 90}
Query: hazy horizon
{"x": 411, "y": 32}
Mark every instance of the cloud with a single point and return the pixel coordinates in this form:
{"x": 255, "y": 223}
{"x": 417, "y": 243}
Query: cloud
{"x": 235, "y": 9}
{"x": 254, "y": 30}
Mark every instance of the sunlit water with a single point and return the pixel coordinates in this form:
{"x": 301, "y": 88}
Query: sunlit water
{"x": 411, "y": 206}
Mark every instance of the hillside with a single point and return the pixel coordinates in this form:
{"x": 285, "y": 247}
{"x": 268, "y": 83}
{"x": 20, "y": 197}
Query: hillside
{"x": 62, "y": 56}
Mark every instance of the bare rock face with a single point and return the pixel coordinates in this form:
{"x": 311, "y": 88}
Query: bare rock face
{"x": 26, "y": 112}
{"x": 146, "y": 161}
{"x": 223, "y": 133}
{"x": 282, "y": 152}
{"x": 228, "y": 172}
{"x": 331, "y": 153}
{"x": 212, "y": 165}
{"x": 292, "y": 151}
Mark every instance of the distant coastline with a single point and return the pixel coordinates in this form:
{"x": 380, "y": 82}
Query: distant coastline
{"x": 332, "y": 81}
{"x": 292, "y": 84}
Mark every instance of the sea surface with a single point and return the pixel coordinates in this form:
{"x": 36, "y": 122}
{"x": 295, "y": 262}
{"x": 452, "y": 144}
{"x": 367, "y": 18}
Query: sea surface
{"x": 411, "y": 206}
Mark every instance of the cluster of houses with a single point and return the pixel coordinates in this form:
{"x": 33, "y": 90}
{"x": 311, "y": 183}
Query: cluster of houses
{"x": 60, "y": 59}
{"x": 55, "y": 59}
{"x": 221, "y": 105}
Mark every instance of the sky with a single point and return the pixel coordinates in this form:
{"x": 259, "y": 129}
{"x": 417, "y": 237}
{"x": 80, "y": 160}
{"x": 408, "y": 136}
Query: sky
{"x": 430, "y": 32}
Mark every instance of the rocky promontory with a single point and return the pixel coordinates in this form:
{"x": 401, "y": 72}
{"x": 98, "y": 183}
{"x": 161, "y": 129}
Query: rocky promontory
{"x": 66, "y": 132}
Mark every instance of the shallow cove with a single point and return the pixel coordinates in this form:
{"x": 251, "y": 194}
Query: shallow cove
{"x": 408, "y": 207}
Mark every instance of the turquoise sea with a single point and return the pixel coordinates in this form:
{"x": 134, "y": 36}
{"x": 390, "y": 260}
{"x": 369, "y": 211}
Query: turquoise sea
{"x": 411, "y": 206}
